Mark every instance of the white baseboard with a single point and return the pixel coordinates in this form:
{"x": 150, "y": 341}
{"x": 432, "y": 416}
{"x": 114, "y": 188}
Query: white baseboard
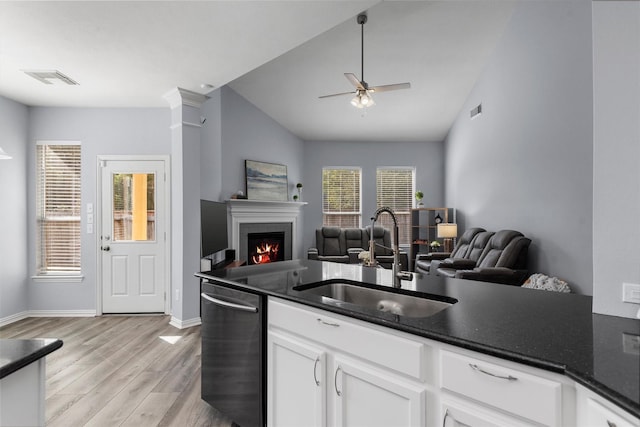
{"x": 13, "y": 318}
{"x": 46, "y": 313}
{"x": 183, "y": 324}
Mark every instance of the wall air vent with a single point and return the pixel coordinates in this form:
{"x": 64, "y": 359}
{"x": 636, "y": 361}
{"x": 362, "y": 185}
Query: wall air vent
{"x": 476, "y": 111}
{"x": 49, "y": 77}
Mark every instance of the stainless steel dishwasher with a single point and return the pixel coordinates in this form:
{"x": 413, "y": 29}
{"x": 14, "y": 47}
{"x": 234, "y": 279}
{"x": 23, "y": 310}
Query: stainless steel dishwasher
{"x": 233, "y": 353}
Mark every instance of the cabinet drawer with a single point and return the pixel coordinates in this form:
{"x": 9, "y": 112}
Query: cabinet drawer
{"x": 349, "y": 336}
{"x": 510, "y": 390}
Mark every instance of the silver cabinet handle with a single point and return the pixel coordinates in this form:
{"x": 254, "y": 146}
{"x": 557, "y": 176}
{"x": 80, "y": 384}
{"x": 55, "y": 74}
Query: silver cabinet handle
{"x": 315, "y": 365}
{"x": 458, "y": 423}
{"x": 335, "y": 325}
{"x": 335, "y": 381}
{"x": 479, "y": 369}
{"x": 242, "y": 307}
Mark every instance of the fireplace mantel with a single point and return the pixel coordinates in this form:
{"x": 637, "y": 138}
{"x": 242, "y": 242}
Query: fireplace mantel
{"x": 242, "y": 211}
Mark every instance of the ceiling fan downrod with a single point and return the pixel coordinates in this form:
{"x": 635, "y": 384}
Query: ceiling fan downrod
{"x": 362, "y": 19}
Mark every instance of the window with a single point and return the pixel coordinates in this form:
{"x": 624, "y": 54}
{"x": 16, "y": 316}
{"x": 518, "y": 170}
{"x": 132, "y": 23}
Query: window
{"x": 395, "y": 188}
{"x": 58, "y": 206}
{"x": 341, "y": 197}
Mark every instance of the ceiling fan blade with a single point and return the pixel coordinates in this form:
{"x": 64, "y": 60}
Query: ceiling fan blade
{"x": 337, "y": 94}
{"x": 387, "y": 88}
{"x": 354, "y": 80}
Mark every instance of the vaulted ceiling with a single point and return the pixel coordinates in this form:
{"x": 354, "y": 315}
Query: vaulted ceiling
{"x": 279, "y": 55}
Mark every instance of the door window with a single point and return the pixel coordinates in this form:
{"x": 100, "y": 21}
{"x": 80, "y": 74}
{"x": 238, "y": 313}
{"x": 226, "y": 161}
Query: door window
{"x": 134, "y": 207}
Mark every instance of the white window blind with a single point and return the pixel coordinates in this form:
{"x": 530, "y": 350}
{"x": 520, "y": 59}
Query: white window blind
{"x": 395, "y": 188}
{"x": 341, "y": 197}
{"x": 58, "y": 207}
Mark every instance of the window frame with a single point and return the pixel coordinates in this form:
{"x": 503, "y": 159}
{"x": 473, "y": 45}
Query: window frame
{"x": 42, "y": 214}
{"x": 404, "y": 216}
{"x": 355, "y": 213}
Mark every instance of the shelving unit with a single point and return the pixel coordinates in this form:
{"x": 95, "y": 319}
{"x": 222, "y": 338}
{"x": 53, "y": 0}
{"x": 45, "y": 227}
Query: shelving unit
{"x": 423, "y": 229}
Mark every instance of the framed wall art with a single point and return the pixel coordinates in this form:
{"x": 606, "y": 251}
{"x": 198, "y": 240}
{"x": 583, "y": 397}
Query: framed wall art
{"x": 266, "y": 181}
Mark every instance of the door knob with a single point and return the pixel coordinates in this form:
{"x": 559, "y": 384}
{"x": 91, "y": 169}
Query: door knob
{"x": 105, "y": 248}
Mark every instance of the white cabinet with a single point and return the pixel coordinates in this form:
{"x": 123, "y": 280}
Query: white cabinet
{"x": 329, "y": 370}
{"x": 594, "y": 411}
{"x": 368, "y": 396}
{"x": 296, "y": 395}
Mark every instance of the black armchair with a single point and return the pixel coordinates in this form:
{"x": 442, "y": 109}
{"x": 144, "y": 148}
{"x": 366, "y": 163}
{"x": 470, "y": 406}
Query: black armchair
{"x": 463, "y": 245}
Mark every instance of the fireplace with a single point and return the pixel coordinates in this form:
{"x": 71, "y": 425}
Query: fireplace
{"x": 256, "y": 236}
{"x": 263, "y": 248}
{"x": 258, "y": 216}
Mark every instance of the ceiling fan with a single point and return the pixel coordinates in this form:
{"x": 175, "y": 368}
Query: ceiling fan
{"x": 363, "y": 91}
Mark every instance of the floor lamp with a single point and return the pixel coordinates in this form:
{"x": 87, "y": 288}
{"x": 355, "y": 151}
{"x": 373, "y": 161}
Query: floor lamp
{"x": 447, "y": 231}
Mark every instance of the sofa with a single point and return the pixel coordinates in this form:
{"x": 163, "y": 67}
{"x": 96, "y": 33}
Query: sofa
{"x": 343, "y": 245}
{"x": 499, "y": 257}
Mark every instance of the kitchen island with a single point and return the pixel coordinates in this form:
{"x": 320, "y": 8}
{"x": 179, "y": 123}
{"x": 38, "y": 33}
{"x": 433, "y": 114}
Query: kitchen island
{"x": 552, "y": 332}
{"x": 22, "y": 380}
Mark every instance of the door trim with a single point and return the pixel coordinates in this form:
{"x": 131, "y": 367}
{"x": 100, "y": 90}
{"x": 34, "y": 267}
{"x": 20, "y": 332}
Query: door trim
{"x": 98, "y": 223}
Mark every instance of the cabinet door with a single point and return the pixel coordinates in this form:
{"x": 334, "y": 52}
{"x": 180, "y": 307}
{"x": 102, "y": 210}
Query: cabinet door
{"x": 370, "y": 396}
{"x": 599, "y": 415}
{"x": 461, "y": 413}
{"x": 295, "y": 382}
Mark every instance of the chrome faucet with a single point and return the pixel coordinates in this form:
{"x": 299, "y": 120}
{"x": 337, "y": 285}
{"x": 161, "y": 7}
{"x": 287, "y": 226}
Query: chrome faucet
{"x": 398, "y": 275}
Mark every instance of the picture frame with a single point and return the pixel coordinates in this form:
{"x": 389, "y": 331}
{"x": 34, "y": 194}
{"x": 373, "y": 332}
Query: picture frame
{"x": 266, "y": 181}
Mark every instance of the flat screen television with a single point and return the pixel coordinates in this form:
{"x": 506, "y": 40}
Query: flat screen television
{"x": 213, "y": 228}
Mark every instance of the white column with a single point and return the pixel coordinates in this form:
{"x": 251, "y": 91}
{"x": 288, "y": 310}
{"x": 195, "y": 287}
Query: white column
{"x": 185, "y": 205}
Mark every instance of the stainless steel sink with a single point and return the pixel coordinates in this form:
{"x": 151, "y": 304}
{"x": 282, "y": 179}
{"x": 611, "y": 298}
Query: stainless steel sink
{"x": 374, "y": 298}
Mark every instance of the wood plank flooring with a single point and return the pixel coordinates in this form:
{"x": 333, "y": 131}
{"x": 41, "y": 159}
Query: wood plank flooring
{"x": 121, "y": 371}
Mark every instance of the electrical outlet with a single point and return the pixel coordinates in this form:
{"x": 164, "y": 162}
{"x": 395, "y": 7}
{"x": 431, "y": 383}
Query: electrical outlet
{"x": 177, "y": 294}
{"x": 631, "y": 293}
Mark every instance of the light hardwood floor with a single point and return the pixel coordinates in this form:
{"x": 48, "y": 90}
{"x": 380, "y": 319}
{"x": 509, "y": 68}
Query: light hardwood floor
{"x": 121, "y": 371}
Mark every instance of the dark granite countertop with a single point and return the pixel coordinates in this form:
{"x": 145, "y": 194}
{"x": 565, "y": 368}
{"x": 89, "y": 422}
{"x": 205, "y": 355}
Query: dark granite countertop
{"x": 16, "y": 354}
{"x": 548, "y": 330}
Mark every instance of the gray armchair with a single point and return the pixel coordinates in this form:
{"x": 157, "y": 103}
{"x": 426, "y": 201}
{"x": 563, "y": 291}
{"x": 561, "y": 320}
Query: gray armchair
{"x": 463, "y": 245}
{"x": 502, "y": 260}
{"x": 448, "y": 267}
{"x": 330, "y": 245}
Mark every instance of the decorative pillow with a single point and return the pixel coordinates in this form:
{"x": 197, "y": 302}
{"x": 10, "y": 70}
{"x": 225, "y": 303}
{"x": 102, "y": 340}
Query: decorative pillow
{"x": 546, "y": 283}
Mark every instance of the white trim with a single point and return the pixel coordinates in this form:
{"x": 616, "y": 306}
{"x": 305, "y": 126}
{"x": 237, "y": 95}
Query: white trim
{"x": 45, "y": 313}
{"x": 242, "y": 211}
{"x": 183, "y": 324}
{"x": 13, "y": 318}
{"x": 62, "y": 313}
{"x": 58, "y": 278}
{"x": 177, "y": 97}
{"x": 55, "y": 142}
{"x": 98, "y": 220}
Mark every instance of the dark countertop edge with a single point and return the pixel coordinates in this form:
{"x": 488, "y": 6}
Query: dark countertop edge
{"x": 583, "y": 379}
{"x": 16, "y": 365}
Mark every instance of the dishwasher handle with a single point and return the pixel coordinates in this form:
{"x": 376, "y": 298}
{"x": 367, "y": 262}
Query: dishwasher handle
{"x": 243, "y": 307}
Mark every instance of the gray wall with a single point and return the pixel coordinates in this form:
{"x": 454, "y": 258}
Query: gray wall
{"x": 101, "y": 131}
{"x": 426, "y": 157}
{"x": 616, "y": 171}
{"x": 14, "y": 126}
{"x": 211, "y": 148}
{"x": 526, "y": 162}
{"x": 248, "y": 133}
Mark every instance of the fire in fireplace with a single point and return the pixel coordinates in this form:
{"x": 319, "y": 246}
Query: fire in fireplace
{"x": 264, "y": 248}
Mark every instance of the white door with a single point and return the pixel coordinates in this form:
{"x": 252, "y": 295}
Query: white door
{"x": 133, "y": 236}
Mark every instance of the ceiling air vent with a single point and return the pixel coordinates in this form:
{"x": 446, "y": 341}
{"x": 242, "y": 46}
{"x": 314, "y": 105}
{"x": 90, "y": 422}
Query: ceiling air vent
{"x": 50, "y": 77}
